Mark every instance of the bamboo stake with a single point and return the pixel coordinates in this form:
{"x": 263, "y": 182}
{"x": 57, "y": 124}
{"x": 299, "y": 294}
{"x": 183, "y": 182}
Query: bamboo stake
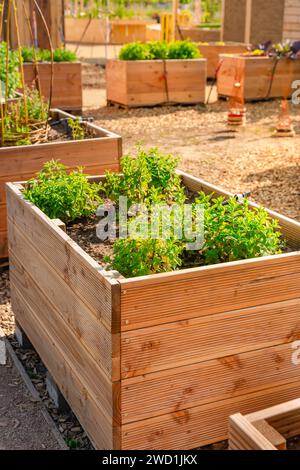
{"x": 7, "y": 56}
{"x": 51, "y": 52}
{"x": 21, "y": 62}
{"x": 34, "y": 51}
{"x": 1, "y": 18}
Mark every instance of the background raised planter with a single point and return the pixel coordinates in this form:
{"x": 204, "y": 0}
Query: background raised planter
{"x": 199, "y": 34}
{"x": 212, "y": 51}
{"x": 162, "y": 361}
{"x": 67, "y": 86}
{"x": 21, "y": 163}
{"x": 255, "y": 75}
{"x": 151, "y": 82}
{"x": 85, "y": 31}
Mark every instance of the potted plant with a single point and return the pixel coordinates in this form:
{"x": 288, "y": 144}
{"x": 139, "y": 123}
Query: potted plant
{"x": 67, "y": 80}
{"x": 156, "y": 73}
{"x": 154, "y": 345}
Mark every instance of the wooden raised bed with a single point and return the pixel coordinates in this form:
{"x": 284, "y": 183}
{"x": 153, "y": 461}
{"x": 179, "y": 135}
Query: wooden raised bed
{"x": 152, "y": 82}
{"x": 125, "y": 31}
{"x": 85, "y": 30}
{"x": 255, "y": 75}
{"x": 21, "y": 163}
{"x": 212, "y": 51}
{"x": 162, "y": 361}
{"x": 199, "y": 34}
{"x": 267, "y": 429}
{"x": 67, "y": 86}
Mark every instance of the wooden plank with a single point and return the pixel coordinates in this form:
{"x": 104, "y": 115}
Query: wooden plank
{"x": 212, "y": 51}
{"x": 95, "y": 30}
{"x": 273, "y": 436}
{"x": 81, "y": 273}
{"x": 215, "y": 336}
{"x": 198, "y": 426}
{"x": 278, "y": 411}
{"x": 158, "y": 299}
{"x": 205, "y": 382}
{"x": 246, "y": 436}
{"x": 89, "y": 330}
{"x": 67, "y": 83}
{"x": 96, "y": 423}
{"x": 59, "y": 332}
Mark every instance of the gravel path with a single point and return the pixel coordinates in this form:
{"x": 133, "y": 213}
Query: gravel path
{"x": 22, "y": 424}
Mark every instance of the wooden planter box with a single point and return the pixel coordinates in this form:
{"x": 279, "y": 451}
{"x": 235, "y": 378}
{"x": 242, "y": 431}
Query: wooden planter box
{"x": 94, "y": 30}
{"x": 152, "y": 82}
{"x": 199, "y": 34}
{"x": 67, "y": 87}
{"x": 267, "y": 429}
{"x": 212, "y": 51}
{"x": 21, "y": 163}
{"x": 161, "y": 361}
{"x": 125, "y": 31}
{"x": 254, "y": 74}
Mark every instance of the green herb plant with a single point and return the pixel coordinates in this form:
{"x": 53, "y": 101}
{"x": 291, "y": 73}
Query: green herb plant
{"x": 77, "y": 129}
{"x": 148, "y": 178}
{"x": 63, "y": 195}
{"x": 44, "y": 55}
{"x": 234, "y": 231}
{"x": 13, "y": 78}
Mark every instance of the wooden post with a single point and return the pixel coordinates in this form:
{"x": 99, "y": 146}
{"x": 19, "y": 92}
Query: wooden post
{"x": 53, "y": 13}
{"x": 248, "y": 21}
{"x": 174, "y": 18}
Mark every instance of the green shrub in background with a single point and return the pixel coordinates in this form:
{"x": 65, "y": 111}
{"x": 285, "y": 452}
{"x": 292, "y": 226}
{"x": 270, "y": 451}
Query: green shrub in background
{"x": 13, "y": 79}
{"x": 160, "y": 50}
{"x": 44, "y": 55}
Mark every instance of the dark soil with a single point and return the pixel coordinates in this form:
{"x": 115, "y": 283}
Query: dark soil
{"x": 59, "y": 131}
{"x": 84, "y": 234}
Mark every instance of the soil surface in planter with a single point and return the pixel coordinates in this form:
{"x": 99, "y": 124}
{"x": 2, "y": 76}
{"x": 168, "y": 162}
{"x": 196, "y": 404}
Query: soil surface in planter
{"x": 83, "y": 232}
{"x": 59, "y": 132}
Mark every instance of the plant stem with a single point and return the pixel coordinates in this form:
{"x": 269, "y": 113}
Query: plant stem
{"x": 21, "y": 62}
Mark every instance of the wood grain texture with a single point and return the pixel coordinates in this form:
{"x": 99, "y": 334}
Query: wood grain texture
{"x": 158, "y": 299}
{"x": 256, "y": 75}
{"x": 67, "y": 83}
{"x": 184, "y": 387}
{"x": 143, "y": 82}
{"x": 186, "y": 342}
{"x": 211, "y": 52}
{"x": 21, "y": 163}
{"x": 201, "y": 425}
{"x": 61, "y": 291}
